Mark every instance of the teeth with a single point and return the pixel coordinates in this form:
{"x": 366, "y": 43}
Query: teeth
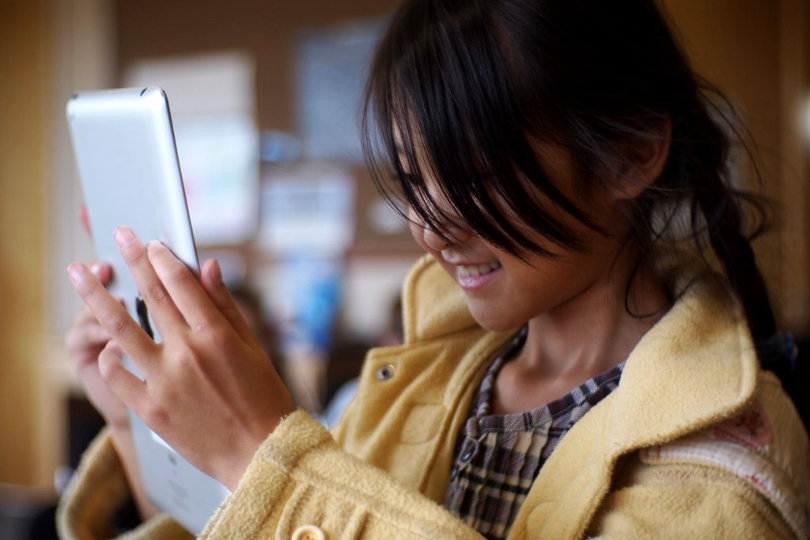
{"x": 477, "y": 270}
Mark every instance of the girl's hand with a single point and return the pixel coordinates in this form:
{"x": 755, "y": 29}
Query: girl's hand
{"x": 210, "y": 390}
{"x": 85, "y": 340}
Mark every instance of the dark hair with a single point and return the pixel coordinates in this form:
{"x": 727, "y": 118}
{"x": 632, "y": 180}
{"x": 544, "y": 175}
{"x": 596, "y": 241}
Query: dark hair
{"x": 464, "y": 87}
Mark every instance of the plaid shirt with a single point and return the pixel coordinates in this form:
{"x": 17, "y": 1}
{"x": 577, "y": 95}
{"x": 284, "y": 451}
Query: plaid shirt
{"x": 498, "y": 457}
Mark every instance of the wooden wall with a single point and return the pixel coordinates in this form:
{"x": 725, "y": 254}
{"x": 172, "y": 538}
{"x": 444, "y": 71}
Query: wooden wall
{"x": 23, "y": 55}
{"x": 759, "y": 53}
{"x": 268, "y": 29}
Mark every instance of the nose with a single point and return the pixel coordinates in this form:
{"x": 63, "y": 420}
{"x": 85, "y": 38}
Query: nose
{"x": 452, "y": 236}
{"x": 434, "y": 240}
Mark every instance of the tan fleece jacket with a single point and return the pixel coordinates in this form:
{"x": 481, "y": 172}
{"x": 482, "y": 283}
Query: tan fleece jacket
{"x": 696, "y": 442}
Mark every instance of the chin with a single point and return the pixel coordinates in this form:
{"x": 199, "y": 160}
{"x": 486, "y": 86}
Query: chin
{"x": 489, "y": 320}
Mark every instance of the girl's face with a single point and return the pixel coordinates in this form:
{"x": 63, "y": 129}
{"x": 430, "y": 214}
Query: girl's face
{"x": 504, "y": 291}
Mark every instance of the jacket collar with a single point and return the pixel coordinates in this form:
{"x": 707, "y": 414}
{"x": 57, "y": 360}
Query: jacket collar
{"x": 698, "y": 365}
{"x": 433, "y": 303}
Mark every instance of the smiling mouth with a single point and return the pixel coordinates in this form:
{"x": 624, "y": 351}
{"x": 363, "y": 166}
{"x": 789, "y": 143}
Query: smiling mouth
{"x": 468, "y": 271}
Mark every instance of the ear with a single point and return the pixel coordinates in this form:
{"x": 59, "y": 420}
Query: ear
{"x": 644, "y": 160}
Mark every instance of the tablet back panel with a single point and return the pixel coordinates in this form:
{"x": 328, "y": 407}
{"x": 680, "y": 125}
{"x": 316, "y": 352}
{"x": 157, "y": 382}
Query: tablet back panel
{"x": 127, "y": 159}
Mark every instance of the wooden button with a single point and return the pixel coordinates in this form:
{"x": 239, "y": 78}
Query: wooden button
{"x": 308, "y": 532}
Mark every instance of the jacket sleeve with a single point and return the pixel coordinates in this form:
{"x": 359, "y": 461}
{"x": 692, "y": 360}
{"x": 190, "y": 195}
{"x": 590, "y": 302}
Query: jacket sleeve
{"x": 300, "y": 479}
{"x": 686, "y": 501}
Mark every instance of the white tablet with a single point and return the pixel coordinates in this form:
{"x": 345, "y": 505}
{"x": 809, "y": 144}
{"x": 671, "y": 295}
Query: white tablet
{"x": 127, "y": 159}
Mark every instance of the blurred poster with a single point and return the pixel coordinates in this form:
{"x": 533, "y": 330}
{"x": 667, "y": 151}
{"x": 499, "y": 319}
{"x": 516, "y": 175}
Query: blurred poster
{"x": 213, "y": 103}
{"x": 331, "y": 67}
{"x": 308, "y": 208}
{"x": 313, "y": 287}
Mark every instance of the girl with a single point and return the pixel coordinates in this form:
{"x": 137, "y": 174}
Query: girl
{"x": 579, "y": 354}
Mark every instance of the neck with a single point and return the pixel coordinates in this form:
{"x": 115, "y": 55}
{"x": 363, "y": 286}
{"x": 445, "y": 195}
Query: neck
{"x": 598, "y": 328}
{"x": 574, "y": 342}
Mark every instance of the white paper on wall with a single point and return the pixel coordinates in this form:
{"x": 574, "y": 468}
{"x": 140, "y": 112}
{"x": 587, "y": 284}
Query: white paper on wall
{"x": 213, "y": 102}
{"x": 308, "y": 208}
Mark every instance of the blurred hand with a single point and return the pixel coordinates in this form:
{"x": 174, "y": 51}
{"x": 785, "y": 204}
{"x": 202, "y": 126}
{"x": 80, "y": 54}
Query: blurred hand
{"x": 85, "y": 340}
{"x": 209, "y": 390}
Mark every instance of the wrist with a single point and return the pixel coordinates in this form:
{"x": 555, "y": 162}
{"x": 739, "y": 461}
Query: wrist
{"x": 122, "y": 439}
{"x": 124, "y": 443}
{"x": 119, "y": 426}
{"x": 233, "y": 468}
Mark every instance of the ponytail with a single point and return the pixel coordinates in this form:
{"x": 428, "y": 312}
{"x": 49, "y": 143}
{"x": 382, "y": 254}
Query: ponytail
{"x": 722, "y": 212}
{"x": 776, "y": 352}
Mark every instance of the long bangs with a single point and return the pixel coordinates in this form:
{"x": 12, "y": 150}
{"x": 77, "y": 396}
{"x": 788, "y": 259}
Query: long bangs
{"x": 444, "y": 135}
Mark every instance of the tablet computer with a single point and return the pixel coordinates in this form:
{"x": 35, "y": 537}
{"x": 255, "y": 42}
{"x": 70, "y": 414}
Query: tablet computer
{"x": 124, "y": 146}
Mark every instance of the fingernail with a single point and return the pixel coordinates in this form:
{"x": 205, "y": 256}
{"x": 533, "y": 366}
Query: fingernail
{"x": 124, "y": 236}
{"x": 216, "y": 271}
{"x": 76, "y": 273}
{"x": 96, "y": 269}
{"x": 153, "y": 247}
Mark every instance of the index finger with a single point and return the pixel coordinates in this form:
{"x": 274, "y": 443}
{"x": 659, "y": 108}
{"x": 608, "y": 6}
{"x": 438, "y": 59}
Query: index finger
{"x": 112, "y": 316}
{"x": 184, "y": 288}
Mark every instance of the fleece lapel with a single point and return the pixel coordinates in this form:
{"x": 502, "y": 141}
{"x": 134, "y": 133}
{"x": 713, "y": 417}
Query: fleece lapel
{"x": 693, "y": 368}
{"x": 699, "y": 363}
{"x": 413, "y": 399}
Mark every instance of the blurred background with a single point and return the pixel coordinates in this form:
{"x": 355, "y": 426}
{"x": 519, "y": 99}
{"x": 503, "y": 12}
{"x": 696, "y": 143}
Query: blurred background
{"x": 265, "y": 97}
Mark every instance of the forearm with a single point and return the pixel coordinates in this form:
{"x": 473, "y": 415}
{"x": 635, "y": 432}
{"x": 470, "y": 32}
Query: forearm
{"x": 124, "y": 443}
